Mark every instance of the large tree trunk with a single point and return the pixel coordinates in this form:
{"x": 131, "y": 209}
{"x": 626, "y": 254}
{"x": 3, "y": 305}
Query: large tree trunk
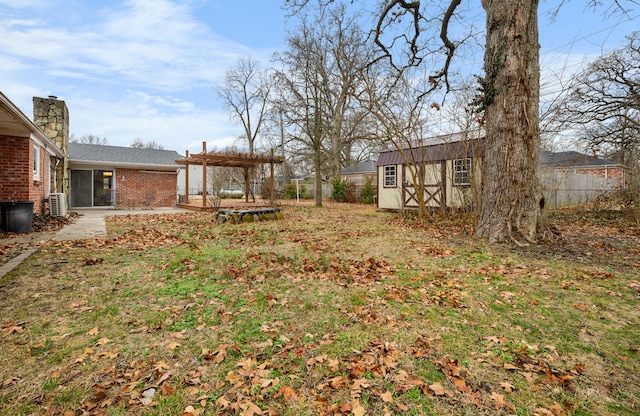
{"x": 512, "y": 202}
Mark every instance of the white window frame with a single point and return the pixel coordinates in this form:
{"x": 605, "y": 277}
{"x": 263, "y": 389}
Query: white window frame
{"x": 36, "y": 162}
{"x": 461, "y": 172}
{"x": 390, "y": 176}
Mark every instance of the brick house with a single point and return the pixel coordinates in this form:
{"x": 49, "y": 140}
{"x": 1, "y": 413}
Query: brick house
{"x": 580, "y": 163}
{"x": 28, "y": 159}
{"x": 572, "y": 178}
{"x": 113, "y": 176}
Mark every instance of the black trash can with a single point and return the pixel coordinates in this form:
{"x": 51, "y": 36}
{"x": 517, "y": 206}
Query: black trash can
{"x": 16, "y": 216}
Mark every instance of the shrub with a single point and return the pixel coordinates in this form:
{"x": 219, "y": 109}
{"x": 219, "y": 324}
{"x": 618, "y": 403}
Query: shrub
{"x": 289, "y": 191}
{"x": 350, "y": 194}
{"x": 339, "y": 191}
{"x": 368, "y": 192}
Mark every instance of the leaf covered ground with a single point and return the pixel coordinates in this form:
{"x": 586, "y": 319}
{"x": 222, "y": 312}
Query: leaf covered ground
{"x": 334, "y": 311}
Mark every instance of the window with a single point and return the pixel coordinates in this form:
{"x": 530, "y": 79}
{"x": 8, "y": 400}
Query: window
{"x": 461, "y": 169}
{"x": 390, "y": 176}
{"x": 36, "y": 162}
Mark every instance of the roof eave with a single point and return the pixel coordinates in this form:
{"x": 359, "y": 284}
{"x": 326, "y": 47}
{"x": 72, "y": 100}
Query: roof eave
{"x": 79, "y": 162}
{"x": 49, "y": 144}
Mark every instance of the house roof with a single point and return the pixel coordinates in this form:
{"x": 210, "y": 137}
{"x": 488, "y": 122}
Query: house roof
{"x": 95, "y": 154}
{"x": 14, "y": 122}
{"x": 432, "y": 149}
{"x": 572, "y": 159}
{"x": 366, "y": 166}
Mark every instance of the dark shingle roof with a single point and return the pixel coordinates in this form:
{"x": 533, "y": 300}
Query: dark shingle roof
{"x": 116, "y": 155}
{"x": 366, "y": 166}
{"x": 571, "y": 159}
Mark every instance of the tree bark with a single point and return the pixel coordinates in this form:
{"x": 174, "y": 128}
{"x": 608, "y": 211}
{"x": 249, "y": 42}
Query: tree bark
{"x": 512, "y": 203}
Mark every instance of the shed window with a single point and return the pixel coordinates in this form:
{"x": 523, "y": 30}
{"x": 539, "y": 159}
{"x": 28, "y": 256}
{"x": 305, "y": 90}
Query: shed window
{"x": 390, "y": 176}
{"x": 461, "y": 169}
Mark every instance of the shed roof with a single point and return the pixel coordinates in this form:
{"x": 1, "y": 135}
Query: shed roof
{"x": 122, "y": 156}
{"x": 432, "y": 149}
{"x": 572, "y": 159}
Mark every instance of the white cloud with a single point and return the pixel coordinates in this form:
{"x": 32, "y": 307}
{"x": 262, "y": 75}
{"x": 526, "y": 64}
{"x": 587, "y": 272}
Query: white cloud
{"x": 156, "y": 43}
{"x": 175, "y": 124}
{"x": 20, "y": 3}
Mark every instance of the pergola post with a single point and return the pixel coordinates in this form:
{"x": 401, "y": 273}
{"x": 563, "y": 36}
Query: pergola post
{"x": 204, "y": 175}
{"x": 272, "y": 179}
{"x": 186, "y": 179}
{"x": 246, "y": 184}
{"x": 228, "y": 159}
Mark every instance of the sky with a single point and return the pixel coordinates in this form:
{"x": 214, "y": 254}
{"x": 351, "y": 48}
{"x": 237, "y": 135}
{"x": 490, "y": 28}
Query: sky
{"x": 147, "y": 69}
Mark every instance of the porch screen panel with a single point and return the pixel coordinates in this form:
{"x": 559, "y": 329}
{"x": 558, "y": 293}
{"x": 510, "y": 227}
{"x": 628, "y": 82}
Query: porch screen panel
{"x": 81, "y": 181}
{"x": 102, "y": 183}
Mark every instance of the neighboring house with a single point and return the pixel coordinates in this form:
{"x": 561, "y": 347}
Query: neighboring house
{"x": 28, "y": 159}
{"x": 112, "y": 176}
{"x": 571, "y": 178}
{"x": 359, "y": 172}
{"x": 450, "y": 165}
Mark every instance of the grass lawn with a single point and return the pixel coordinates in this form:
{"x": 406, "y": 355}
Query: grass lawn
{"x": 334, "y": 311}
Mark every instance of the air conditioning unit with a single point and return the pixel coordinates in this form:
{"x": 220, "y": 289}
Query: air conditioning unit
{"x": 58, "y": 205}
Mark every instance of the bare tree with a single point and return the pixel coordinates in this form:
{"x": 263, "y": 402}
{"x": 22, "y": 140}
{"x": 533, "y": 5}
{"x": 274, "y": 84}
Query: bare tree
{"x": 603, "y": 105}
{"x": 402, "y": 121}
{"x": 245, "y": 93}
{"x": 138, "y": 143}
{"x": 512, "y": 203}
{"x": 90, "y": 139}
{"x": 301, "y": 88}
{"x": 323, "y": 72}
{"x": 347, "y": 55}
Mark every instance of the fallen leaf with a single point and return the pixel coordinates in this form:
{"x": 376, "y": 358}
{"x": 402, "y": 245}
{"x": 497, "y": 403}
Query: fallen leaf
{"x": 192, "y": 411}
{"x": 147, "y": 396}
{"x": 167, "y": 390}
{"x": 10, "y": 381}
{"x": 250, "y": 409}
{"x": 287, "y": 393}
{"x": 15, "y": 329}
{"x": 461, "y": 385}
{"x": 222, "y": 402}
{"x": 437, "y": 389}
{"x": 173, "y": 345}
{"x": 358, "y": 409}
{"x": 386, "y": 397}
{"x": 103, "y": 341}
{"x": 498, "y": 398}
{"x": 508, "y": 387}
{"x": 557, "y": 410}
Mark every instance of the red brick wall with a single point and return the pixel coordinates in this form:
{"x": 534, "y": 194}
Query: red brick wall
{"x": 140, "y": 186}
{"x": 16, "y": 172}
{"x": 14, "y": 168}
{"x": 607, "y": 173}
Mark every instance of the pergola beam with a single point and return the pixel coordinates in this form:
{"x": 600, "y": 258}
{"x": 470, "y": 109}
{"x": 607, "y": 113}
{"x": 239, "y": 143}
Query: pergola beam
{"x": 227, "y": 159}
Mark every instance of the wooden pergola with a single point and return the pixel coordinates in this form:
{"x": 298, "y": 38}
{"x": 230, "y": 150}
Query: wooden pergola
{"x": 228, "y": 159}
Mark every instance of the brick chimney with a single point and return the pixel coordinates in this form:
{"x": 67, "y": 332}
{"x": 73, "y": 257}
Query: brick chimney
{"x": 52, "y": 117}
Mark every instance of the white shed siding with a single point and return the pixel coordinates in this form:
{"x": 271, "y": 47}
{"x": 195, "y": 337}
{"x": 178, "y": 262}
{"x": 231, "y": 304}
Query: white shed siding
{"x": 390, "y": 197}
